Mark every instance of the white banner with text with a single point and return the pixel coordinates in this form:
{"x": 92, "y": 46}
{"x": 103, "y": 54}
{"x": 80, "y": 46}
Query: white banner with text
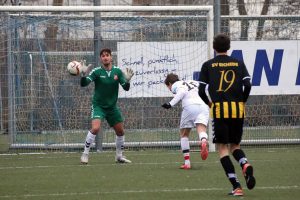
{"x": 274, "y": 66}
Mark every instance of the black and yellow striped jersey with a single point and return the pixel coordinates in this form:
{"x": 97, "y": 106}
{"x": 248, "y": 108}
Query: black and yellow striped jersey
{"x": 225, "y": 76}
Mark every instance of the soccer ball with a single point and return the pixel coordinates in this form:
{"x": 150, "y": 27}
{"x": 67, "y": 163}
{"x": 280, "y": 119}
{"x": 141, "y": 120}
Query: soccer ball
{"x": 74, "y": 68}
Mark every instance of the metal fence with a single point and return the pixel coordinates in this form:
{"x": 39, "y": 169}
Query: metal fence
{"x": 42, "y": 107}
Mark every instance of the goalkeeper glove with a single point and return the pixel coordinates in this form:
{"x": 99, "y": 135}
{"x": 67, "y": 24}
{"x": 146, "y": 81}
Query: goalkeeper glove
{"x": 128, "y": 73}
{"x": 85, "y": 70}
{"x": 166, "y": 105}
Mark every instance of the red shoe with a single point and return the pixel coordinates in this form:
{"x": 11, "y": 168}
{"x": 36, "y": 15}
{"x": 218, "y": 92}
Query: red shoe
{"x": 236, "y": 192}
{"x": 184, "y": 166}
{"x": 204, "y": 150}
{"x": 248, "y": 174}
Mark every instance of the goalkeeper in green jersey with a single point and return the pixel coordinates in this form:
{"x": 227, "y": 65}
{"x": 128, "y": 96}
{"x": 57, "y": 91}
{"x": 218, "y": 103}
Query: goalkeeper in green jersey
{"x": 104, "y": 104}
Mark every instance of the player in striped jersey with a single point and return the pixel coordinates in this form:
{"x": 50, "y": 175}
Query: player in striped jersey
{"x": 229, "y": 87}
{"x": 195, "y": 113}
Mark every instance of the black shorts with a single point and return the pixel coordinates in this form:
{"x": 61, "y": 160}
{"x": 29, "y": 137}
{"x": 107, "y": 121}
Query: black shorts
{"x": 227, "y": 131}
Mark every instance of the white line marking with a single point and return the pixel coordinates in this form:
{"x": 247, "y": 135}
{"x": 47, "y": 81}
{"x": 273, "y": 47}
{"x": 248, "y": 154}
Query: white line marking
{"x": 97, "y": 165}
{"x": 278, "y": 187}
{"x": 206, "y": 163}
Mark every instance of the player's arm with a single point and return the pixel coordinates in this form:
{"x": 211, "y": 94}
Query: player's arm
{"x": 179, "y": 94}
{"x": 125, "y": 78}
{"x": 202, "y": 93}
{"x": 86, "y": 80}
{"x": 246, "y": 82}
{"x": 126, "y": 86}
{"x": 124, "y": 83}
{"x": 247, "y": 88}
{"x": 203, "y": 80}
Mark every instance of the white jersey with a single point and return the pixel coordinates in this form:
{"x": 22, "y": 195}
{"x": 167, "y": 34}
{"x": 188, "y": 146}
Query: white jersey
{"x": 187, "y": 92}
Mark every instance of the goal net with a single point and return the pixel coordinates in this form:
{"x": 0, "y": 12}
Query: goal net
{"x": 45, "y": 107}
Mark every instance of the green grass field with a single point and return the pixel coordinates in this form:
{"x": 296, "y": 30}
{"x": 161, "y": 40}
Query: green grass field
{"x": 152, "y": 175}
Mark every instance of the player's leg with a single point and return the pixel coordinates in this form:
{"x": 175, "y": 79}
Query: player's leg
{"x": 187, "y": 119}
{"x": 238, "y": 153}
{"x": 97, "y": 116}
{"x": 185, "y": 147}
{"x": 221, "y": 138}
{"x": 90, "y": 138}
{"x": 115, "y": 120}
{"x": 201, "y": 124}
{"x": 120, "y": 139}
{"x": 240, "y": 157}
{"x": 229, "y": 170}
{"x": 203, "y": 138}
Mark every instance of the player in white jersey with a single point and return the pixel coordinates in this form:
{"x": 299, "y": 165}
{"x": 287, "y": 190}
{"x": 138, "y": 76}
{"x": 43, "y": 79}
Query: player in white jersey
{"x": 195, "y": 113}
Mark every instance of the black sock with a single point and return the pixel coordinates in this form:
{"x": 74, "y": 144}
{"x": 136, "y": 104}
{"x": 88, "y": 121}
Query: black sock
{"x": 240, "y": 156}
{"x": 229, "y": 171}
{"x": 186, "y": 151}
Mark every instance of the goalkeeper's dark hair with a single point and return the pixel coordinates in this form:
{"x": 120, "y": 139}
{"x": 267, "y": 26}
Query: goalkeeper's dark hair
{"x": 171, "y": 78}
{"x": 221, "y": 43}
{"x": 106, "y": 50}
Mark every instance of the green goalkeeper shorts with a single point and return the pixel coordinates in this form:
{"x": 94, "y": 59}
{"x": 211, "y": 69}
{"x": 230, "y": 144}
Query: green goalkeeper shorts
{"x": 112, "y": 115}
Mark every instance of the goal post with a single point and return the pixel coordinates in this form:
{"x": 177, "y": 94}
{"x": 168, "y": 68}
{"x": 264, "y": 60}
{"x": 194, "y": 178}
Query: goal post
{"x": 45, "y": 104}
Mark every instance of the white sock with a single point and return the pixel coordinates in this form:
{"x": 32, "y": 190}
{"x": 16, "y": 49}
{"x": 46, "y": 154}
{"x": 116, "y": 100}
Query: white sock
{"x": 185, "y": 147}
{"x": 202, "y": 135}
{"x": 90, "y": 138}
{"x": 119, "y": 145}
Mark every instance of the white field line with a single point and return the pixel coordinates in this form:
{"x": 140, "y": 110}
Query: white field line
{"x": 97, "y": 165}
{"x": 278, "y": 187}
{"x": 106, "y": 154}
{"x": 77, "y": 154}
{"x": 110, "y": 163}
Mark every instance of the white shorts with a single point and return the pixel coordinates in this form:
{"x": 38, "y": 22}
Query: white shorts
{"x": 194, "y": 114}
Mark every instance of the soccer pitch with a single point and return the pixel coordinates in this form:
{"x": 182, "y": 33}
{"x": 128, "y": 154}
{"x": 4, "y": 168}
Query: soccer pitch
{"x": 152, "y": 175}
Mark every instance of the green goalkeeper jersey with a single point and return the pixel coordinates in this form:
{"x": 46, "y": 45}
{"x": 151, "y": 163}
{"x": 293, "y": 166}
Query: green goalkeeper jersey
{"x": 106, "y": 90}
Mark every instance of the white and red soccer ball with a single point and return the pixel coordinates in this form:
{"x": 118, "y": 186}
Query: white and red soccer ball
{"x": 74, "y": 68}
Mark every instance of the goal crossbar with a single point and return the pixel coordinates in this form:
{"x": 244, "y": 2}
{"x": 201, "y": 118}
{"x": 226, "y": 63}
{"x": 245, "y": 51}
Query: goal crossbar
{"x": 102, "y": 8}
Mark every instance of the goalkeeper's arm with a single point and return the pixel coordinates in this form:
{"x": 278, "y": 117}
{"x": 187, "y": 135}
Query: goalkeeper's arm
{"x": 126, "y": 86}
{"x": 127, "y": 74}
{"x": 85, "y": 81}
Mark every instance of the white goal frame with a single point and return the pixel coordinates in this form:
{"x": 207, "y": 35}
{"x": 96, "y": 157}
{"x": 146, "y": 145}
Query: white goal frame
{"x": 52, "y": 9}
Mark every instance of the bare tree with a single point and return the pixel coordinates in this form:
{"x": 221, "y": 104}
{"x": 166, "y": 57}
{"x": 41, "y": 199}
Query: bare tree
{"x": 12, "y": 2}
{"x": 141, "y": 2}
{"x": 290, "y": 7}
{"x": 224, "y": 11}
{"x": 261, "y": 22}
{"x": 244, "y": 23}
{"x": 52, "y": 29}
